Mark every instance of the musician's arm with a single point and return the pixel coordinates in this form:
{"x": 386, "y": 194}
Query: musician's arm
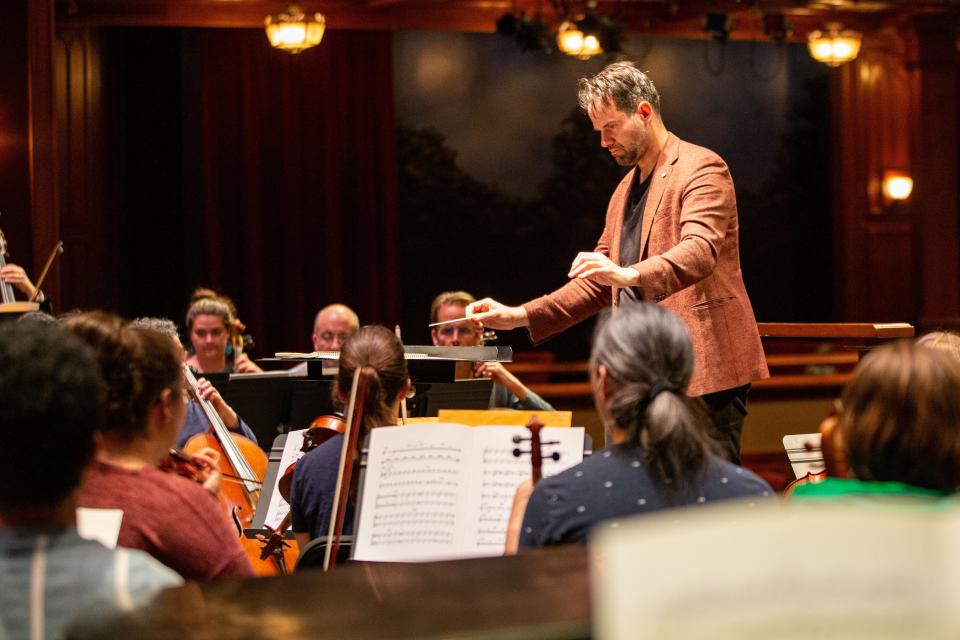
{"x": 517, "y": 513}
{"x": 15, "y": 275}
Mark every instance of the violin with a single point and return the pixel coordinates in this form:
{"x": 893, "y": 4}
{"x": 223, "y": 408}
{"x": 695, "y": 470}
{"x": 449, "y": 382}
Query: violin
{"x": 834, "y": 459}
{"x": 320, "y": 430}
{"x": 536, "y": 448}
{"x": 185, "y": 465}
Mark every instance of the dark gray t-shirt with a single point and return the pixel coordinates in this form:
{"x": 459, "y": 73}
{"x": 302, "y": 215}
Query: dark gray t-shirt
{"x": 616, "y": 483}
{"x": 632, "y": 224}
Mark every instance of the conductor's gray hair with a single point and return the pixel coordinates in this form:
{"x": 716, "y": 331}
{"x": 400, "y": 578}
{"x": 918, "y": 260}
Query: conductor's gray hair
{"x": 639, "y": 345}
{"x": 620, "y": 84}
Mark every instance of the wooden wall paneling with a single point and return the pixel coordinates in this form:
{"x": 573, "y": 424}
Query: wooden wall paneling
{"x": 15, "y": 135}
{"x": 872, "y": 126}
{"x": 935, "y": 166}
{"x": 86, "y": 228}
{"x": 889, "y": 256}
{"x": 44, "y": 200}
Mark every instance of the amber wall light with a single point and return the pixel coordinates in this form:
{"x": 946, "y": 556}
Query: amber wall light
{"x": 897, "y": 186}
{"x": 293, "y": 30}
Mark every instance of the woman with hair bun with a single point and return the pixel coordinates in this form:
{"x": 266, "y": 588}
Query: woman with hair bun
{"x": 378, "y": 354}
{"x": 662, "y": 454}
{"x": 210, "y": 321}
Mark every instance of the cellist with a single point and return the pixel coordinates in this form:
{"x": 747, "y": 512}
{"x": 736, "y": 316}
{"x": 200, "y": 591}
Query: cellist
{"x": 195, "y": 421}
{"x": 177, "y": 521}
{"x": 378, "y": 352}
{"x": 15, "y": 276}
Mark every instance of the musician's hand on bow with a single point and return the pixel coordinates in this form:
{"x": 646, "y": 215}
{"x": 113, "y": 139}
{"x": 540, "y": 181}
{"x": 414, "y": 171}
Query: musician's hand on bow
{"x": 490, "y": 313}
{"x": 591, "y": 265}
{"x": 245, "y": 365}
{"x": 209, "y": 393}
{"x": 15, "y": 275}
{"x": 209, "y": 460}
{"x": 515, "y": 523}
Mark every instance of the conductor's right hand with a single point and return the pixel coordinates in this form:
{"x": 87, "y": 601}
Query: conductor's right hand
{"x": 490, "y": 313}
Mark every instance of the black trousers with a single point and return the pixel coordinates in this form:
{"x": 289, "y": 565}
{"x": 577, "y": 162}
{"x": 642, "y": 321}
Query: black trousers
{"x": 727, "y": 409}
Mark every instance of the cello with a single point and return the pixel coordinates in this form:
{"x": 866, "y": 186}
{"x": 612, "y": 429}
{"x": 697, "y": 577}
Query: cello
{"x": 243, "y": 465}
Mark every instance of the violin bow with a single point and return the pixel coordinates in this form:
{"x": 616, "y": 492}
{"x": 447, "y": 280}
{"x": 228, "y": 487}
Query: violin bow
{"x": 57, "y": 250}
{"x": 345, "y": 471}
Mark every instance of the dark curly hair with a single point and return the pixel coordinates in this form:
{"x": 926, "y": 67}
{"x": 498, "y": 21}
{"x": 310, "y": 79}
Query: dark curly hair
{"x": 137, "y": 364}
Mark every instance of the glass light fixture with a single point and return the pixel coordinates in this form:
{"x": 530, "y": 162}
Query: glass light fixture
{"x": 574, "y": 42}
{"x": 897, "y": 186}
{"x": 293, "y": 30}
{"x": 834, "y": 45}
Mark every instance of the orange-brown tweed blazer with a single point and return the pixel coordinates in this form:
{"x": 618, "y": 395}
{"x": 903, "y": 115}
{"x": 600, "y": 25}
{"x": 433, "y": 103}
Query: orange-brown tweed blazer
{"x": 689, "y": 263}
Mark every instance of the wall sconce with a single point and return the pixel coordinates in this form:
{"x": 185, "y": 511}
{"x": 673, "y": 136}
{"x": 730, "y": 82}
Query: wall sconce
{"x": 293, "y": 31}
{"x": 834, "y": 45}
{"x": 897, "y": 186}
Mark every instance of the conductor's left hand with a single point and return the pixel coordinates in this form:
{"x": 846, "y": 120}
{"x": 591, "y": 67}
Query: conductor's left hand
{"x": 590, "y": 265}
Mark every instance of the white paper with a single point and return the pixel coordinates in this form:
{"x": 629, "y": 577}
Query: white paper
{"x": 277, "y": 507}
{"x": 440, "y": 490}
{"x": 102, "y": 525}
{"x": 804, "y": 452}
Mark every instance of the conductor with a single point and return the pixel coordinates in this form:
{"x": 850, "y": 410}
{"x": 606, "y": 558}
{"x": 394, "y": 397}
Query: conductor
{"x": 670, "y": 237}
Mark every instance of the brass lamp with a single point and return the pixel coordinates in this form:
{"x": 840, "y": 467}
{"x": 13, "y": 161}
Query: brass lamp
{"x": 834, "y": 45}
{"x": 293, "y": 30}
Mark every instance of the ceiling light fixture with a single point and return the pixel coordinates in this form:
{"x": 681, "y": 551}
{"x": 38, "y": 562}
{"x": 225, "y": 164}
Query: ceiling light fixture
{"x": 294, "y": 31}
{"x": 834, "y": 45}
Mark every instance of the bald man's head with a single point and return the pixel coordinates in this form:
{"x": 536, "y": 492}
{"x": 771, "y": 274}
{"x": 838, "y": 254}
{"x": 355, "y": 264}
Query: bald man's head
{"x": 332, "y": 325}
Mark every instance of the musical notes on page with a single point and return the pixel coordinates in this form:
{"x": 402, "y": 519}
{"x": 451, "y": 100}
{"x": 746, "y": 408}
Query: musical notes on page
{"x": 436, "y": 491}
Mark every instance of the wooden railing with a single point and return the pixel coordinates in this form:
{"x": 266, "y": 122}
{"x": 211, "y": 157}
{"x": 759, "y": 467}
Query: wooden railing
{"x": 793, "y": 371}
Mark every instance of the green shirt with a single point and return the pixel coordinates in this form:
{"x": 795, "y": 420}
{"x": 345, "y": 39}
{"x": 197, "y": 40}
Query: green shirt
{"x": 864, "y": 491}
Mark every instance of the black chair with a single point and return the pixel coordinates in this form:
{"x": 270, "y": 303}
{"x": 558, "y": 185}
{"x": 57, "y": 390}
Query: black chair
{"x": 311, "y": 556}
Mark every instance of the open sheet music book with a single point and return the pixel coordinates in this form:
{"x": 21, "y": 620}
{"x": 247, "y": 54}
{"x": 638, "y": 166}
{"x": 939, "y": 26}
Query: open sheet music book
{"x": 797, "y": 571}
{"x": 441, "y": 490}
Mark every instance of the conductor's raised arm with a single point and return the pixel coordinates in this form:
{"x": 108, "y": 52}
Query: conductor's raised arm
{"x": 496, "y": 315}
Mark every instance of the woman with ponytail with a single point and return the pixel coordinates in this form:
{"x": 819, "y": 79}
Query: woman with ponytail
{"x": 378, "y": 354}
{"x": 661, "y": 455}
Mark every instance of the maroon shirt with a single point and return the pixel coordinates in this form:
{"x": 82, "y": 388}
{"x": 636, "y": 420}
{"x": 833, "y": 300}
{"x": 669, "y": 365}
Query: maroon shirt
{"x": 175, "y": 520}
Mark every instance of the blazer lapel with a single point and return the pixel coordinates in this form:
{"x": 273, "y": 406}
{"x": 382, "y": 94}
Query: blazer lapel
{"x": 658, "y": 183}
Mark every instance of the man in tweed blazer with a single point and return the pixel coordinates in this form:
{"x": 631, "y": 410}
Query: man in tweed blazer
{"x": 671, "y": 237}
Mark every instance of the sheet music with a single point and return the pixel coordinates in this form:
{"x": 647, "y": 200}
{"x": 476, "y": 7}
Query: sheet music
{"x": 278, "y": 507}
{"x": 744, "y": 570}
{"x": 804, "y": 452}
{"x": 497, "y": 473}
{"x": 441, "y": 490}
{"x": 102, "y": 525}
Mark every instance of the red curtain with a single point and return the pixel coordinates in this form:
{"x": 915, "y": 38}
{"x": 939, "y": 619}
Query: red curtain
{"x": 290, "y": 178}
